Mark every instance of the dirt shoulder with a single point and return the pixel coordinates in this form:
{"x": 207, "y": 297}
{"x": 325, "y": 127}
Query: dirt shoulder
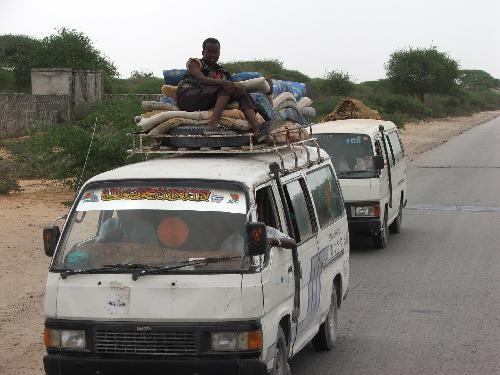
{"x": 24, "y": 271}
{"x": 426, "y": 135}
{"x": 24, "y": 265}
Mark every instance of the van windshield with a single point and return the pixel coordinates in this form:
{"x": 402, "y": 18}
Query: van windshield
{"x": 155, "y": 225}
{"x": 352, "y": 154}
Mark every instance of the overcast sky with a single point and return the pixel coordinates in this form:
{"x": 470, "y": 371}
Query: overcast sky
{"x": 313, "y": 36}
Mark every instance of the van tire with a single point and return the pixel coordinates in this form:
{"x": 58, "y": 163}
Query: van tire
{"x": 328, "y": 330}
{"x": 280, "y": 363}
{"x": 236, "y": 141}
{"x": 380, "y": 239}
{"x": 395, "y": 227}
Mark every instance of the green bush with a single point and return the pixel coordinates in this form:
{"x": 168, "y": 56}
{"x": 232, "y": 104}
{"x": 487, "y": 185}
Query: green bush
{"x": 326, "y": 105}
{"x": 268, "y": 68}
{"x": 8, "y": 185}
{"x": 60, "y": 151}
{"x": 7, "y": 81}
{"x": 387, "y": 104}
{"x": 137, "y": 85}
{"x": 338, "y": 82}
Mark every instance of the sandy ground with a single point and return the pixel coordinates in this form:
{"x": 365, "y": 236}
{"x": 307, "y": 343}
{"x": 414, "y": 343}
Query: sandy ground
{"x": 24, "y": 264}
{"x": 425, "y": 135}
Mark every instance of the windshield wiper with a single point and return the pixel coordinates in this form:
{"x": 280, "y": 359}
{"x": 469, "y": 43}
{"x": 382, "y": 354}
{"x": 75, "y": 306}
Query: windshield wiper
{"x": 107, "y": 268}
{"x": 195, "y": 262}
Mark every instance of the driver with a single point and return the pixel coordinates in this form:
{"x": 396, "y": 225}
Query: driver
{"x": 129, "y": 225}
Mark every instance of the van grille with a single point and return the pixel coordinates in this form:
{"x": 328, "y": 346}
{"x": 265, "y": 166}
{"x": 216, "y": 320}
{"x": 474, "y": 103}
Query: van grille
{"x": 147, "y": 343}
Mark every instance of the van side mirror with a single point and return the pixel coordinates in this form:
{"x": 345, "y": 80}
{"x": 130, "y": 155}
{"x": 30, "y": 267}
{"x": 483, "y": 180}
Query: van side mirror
{"x": 257, "y": 238}
{"x": 378, "y": 162}
{"x": 50, "y": 237}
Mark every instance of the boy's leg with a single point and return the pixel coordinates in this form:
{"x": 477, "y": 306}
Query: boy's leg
{"x": 251, "y": 116}
{"x": 248, "y": 108}
{"x": 220, "y": 104}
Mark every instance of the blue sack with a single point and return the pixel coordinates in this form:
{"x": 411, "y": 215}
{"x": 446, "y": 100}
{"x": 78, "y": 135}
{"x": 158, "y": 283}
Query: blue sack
{"x": 245, "y": 76}
{"x": 168, "y": 100}
{"x": 264, "y": 106}
{"x": 172, "y": 77}
{"x": 296, "y": 88}
{"x": 293, "y": 115}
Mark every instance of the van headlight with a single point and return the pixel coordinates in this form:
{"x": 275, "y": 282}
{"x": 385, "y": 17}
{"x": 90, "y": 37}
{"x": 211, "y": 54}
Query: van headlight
{"x": 236, "y": 341}
{"x": 64, "y": 339}
{"x": 368, "y": 210}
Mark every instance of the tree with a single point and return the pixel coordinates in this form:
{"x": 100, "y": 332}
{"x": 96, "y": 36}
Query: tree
{"x": 338, "y": 82}
{"x": 64, "y": 49}
{"x": 19, "y": 54}
{"x": 140, "y": 74}
{"x": 73, "y": 49}
{"x": 477, "y": 80}
{"x": 420, "y": 71}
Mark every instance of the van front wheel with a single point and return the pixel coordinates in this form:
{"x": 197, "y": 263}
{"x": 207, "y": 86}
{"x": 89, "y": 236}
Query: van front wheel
{"x": 280, "y": 364}
{"x": 395, "y": 227}
{"x": 327, "y": 334}
{"x": 380, "y": 239}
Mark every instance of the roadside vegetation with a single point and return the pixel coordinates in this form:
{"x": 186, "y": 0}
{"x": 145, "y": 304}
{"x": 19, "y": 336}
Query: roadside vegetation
{"x": 59, "y": 152}
{"x": 420, "y": 83}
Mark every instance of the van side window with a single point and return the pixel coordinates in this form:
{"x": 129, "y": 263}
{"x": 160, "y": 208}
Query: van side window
{"x": 301, "y": 211}
{"x": 395, "y": 145}
{"x": 266, "y": 207}
{"x": 391, "y": 153}
{"x": 326, "y": 195}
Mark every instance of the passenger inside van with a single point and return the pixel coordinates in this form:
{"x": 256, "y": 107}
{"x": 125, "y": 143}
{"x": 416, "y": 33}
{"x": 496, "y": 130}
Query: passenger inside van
{"x": 359, "y": 160}
{"x": 266, "y": 214}
{"x": 129, "y": 225}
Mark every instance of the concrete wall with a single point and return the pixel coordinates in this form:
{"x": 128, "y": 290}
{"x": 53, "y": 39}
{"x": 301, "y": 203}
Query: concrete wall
{"x": 88, "y": 86}
{"x": 84, "y": 86}
{"x": 20, "y": 112}
{"x": 51, "y": 81}
{"x": 58, "y": 95}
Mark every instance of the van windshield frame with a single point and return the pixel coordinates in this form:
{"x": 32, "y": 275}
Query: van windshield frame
{"x": 76, "y": 213}
{"x": 351, "y": 154}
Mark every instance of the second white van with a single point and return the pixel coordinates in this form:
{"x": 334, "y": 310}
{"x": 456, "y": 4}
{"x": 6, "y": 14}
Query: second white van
{"x": 369, "y": 159}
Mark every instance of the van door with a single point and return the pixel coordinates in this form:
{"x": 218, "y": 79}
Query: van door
{"x": 305, "y": 230}
{"x": 398, "y": 169}
{"x": 384, "y": 173}
{"x": 277, "y": 280}
{"x": 333, "y": 231}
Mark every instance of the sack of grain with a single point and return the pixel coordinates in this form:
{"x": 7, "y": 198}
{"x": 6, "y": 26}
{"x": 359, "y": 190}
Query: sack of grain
{"x": 304, "y": 102}
{"x": 282, "y": 98}
{"x": 307, "y": 112}
{"x": 169, "y": 90}
{"x": 149, "y": 105}
{"x": 288, "y": 132}
{"x": 254, "y": 84}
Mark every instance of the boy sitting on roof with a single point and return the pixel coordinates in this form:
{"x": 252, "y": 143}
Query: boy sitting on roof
{"x": 208, "y": 85}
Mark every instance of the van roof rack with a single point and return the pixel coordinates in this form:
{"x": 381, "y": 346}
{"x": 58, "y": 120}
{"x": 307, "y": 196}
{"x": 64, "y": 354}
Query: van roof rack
{"x": 139, "y": 147}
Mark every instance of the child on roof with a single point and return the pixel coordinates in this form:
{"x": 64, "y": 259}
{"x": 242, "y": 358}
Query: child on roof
{"x": 208, "y": 85}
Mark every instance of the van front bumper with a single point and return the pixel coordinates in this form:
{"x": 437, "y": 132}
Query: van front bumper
{"x": 364, "y": 226}
{"x": 56, "y": 364}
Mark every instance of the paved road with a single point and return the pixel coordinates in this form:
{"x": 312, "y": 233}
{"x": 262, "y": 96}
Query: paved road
{"x": 430, "y": 302}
